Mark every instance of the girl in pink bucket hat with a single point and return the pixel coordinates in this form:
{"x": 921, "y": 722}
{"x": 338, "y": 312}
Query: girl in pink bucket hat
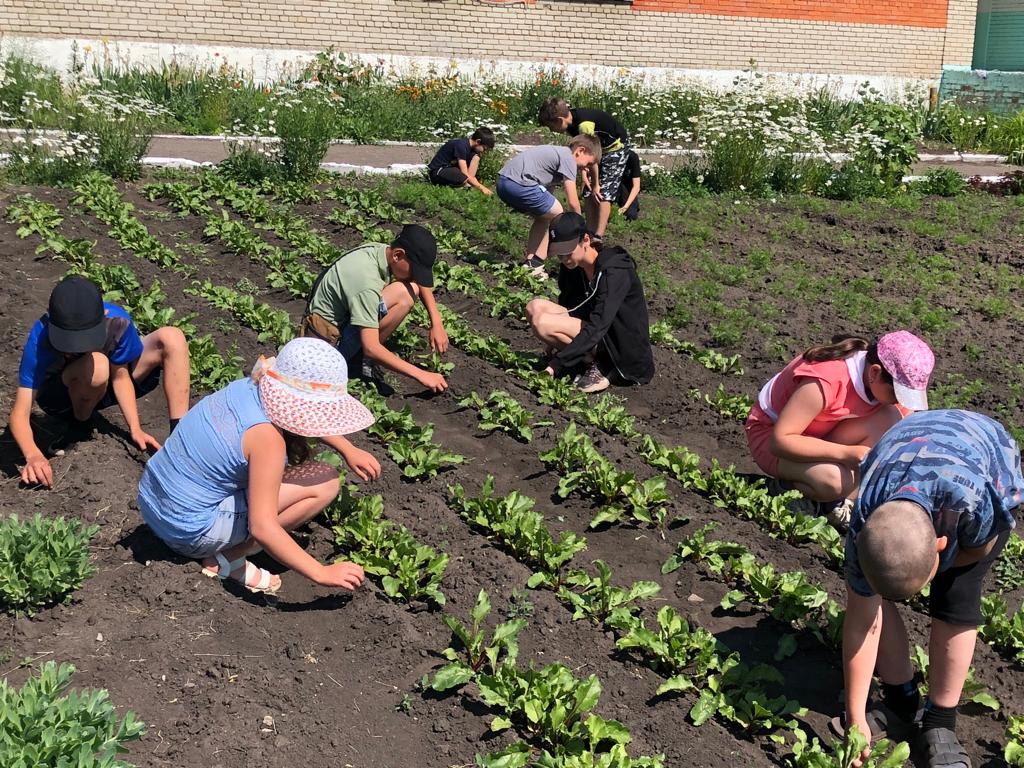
{"x": 815, "y": 421}
{"x": 236, "y": 475}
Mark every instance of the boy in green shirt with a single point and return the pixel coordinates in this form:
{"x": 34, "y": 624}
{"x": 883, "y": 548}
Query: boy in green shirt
{"x": 360, "y": 300}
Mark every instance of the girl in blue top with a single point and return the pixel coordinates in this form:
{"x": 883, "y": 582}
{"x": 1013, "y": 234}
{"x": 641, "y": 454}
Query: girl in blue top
{"x": 235, "y": 476}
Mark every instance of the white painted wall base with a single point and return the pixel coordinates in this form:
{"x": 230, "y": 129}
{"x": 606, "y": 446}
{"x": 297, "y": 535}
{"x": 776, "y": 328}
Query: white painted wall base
{"x": 270, "y": 64}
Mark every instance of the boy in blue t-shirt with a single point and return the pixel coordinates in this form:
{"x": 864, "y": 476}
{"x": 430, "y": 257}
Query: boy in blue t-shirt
{"x": 456, "y": 162}
{"x": 938, "y": 498}
{"x": 84, "y": 355}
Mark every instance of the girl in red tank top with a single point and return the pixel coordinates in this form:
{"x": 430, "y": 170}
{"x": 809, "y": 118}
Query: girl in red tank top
{"x": 817, "y": 419}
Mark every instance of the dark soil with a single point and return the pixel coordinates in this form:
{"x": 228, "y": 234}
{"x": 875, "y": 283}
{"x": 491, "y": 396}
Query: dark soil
{"x": 205, "y": 666}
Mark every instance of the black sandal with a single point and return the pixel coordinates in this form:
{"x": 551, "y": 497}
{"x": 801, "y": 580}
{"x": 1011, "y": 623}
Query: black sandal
{"x": 882, "y": 723}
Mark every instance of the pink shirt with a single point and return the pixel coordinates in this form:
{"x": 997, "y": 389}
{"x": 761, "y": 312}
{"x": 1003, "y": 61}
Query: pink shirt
{"x": 842, "y": 382}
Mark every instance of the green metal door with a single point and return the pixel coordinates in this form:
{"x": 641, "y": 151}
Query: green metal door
{"x": 999, "y": 35}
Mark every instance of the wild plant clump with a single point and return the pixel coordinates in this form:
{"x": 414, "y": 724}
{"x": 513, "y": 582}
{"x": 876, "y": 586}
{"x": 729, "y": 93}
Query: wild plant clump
{"x": 43, "y": 724}
{"x": 41, "y": 561}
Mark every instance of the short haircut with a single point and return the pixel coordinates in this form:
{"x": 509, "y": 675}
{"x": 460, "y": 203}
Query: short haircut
{"x": 590, "y": 143}
{"x": 485, "y": 136}
{"x": 553, "y": 108}
{"x": 896, "y": 549}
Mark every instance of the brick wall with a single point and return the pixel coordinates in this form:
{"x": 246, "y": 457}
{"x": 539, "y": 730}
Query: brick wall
{"x": 910, "y": 39}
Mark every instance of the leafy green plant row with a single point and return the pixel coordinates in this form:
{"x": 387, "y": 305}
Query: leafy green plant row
{"x": 285, "y": 270}
{"x": 363, "y": 207}
{"x": 550, "y": 708}
{"x": 723, "y": 486}
{"x": 97, "y": 193}
{"x": 687, "y": 656}
{"x": 735, "y": 407}
{"x": 789, "y": 596}
{"x": 1009, "y": 569}
{"x": 407, "y": 570}
{"x": 410, "y": 445}
{"x": 1013, "y": 752}
{"x": 43, "y": 723}
{"x": 621, "y": 494}
{"x": 502, "y": 412}
{"x": 210, "y": 369}
{"x": 271, "y": 324}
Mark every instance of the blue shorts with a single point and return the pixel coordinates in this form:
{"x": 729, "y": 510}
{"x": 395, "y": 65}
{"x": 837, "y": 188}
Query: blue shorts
{"x": 229, "y": 527}
{"x": 533, "y": 201}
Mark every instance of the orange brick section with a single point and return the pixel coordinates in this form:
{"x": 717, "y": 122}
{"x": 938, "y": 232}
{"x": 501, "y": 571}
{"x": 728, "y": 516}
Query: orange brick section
{"x": 909, "y": 13}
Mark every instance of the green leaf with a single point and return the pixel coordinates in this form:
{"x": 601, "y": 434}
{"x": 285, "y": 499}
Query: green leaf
{"x": 986, "y": 700}
{"x": 451, "y": 676}
{"x": 675, "y": 683}
{"x": 786, "y": 648}
{"x": 500, "y": 724}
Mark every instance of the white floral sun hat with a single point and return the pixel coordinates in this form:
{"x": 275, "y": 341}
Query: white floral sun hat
{"x": 304, "y": 390}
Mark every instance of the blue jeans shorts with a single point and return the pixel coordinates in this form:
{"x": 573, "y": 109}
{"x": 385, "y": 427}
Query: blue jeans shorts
{"x": 229, "y": 527}
{"x": 533, "y": 201}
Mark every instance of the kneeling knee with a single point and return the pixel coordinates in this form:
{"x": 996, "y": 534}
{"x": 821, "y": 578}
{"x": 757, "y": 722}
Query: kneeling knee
{"x": 172, "y": 340}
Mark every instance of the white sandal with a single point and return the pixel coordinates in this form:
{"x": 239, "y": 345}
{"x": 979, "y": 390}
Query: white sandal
{"x": 225, "y": 569}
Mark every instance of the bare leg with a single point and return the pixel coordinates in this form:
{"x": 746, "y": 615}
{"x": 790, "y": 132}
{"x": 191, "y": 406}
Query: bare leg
{"x": 598, "y": 214}
{"x": 305, "y": 490}
{"x": 537, "y": 240}
{"x": 86, "y": 379}
{"x": 893, "y": 662}
{"x": 827, "y": 481}
{"x": 551, "y": 323}
{"x": 950, "y": 650}
{"x": 399, "y": 298}
{"x": 166, "y": 348}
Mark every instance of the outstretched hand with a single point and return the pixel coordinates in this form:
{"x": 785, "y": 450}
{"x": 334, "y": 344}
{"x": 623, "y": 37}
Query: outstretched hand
{"x": 145, "y": 442}
{"x": 37, "y": 471}
{"x": 363, "y": 463}
{"x": 342, "y": 574}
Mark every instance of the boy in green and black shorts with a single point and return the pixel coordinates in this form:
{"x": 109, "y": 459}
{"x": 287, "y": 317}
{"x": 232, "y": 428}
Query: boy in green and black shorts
{"x": 606, "y": 176}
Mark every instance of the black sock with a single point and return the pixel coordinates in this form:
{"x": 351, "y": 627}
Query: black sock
{"x": 173, "y": 423}
{"x": 938, "y": 717}
{"x": 903, "y": 699}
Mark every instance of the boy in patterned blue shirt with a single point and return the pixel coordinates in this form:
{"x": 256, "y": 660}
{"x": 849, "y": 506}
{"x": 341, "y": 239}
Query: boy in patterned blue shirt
{"x": 938, "y": 498}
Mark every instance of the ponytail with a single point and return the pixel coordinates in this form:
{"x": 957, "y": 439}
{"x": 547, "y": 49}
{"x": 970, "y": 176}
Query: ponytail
{"x": 842, "y": 347}
{"x": 297, "y": 448}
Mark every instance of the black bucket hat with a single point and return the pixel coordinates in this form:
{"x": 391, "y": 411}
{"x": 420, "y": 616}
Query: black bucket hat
{"x": 76, "y": 317}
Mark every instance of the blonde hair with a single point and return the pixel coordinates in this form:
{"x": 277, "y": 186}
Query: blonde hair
{"x": 896, "y": 549}
{"x": 588, "y": 143}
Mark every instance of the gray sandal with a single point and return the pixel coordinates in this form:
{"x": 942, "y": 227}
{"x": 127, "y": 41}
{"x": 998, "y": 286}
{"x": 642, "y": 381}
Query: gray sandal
{"x": 943, "y": 749}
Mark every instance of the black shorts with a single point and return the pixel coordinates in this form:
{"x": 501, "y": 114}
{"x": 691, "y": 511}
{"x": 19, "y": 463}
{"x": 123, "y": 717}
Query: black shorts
{"x": 956, "y": 593}
{"x": 54, "y": 399}
{"x": 450, "y": 176}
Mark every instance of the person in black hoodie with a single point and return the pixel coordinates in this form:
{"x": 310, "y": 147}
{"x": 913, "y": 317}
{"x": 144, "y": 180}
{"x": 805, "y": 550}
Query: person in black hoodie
{"x": 599, "y": 328}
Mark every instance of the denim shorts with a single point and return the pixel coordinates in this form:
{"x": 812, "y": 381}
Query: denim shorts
{"x": 533, "y": 201}
{"x": 229, "y": 527}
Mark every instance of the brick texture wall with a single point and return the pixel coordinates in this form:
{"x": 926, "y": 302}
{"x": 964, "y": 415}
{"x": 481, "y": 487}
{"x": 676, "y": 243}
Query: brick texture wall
{"x": 910, "y": 39}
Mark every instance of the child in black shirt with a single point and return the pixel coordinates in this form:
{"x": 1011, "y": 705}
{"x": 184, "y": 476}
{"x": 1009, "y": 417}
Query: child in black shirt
{"x": 456, "y": 162}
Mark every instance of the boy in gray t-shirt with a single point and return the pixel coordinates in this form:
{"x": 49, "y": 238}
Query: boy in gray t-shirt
{"x": 523, "y": 185}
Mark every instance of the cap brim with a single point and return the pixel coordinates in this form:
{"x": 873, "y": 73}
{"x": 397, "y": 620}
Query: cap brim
{"x": 422, "y": 275}
{"x": 77, "y": 342}
{"x": 913, "y": 399}
{"x": 310, "y": 415}
{"x": 564, "y": 248}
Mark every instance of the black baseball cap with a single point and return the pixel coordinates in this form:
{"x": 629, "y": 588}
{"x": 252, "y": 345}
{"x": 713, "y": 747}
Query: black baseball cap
{"x": 421, "y": 249}
{"x": 565, "y": 233}
{"x": 76, "y": 317}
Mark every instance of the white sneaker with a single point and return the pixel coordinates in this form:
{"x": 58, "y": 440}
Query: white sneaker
{"x": 535, "y": 266}
{"x": 592, "y": 380}
{"x": 839, "y": 514}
